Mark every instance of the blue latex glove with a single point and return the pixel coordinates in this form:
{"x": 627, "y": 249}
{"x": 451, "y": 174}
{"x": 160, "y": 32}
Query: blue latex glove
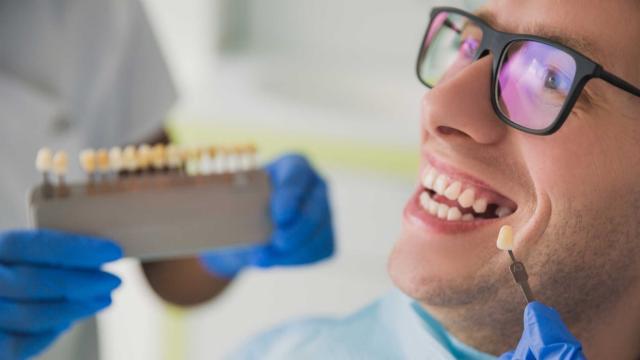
{"x": 303, "y": 230}
{"x": 48, "y": 280}
{"x": 545, "y": 337}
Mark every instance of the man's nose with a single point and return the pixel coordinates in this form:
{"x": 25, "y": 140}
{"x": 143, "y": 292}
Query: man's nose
{"x": 459, "y": 107}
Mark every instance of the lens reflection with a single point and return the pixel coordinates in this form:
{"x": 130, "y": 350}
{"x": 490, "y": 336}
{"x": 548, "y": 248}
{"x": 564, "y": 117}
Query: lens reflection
{"x": 534, "y": 81}
{"x": 451, "y": 43}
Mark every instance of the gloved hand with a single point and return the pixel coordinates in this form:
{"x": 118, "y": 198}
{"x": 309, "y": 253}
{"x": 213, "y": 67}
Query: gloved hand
{"x": 48, "y": 280}
{"x": 303, "y": 231}
{"x": 545, "y": 337}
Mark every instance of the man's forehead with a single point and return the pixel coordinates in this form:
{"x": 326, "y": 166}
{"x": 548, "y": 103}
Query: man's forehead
{"x": 565, "y": 35}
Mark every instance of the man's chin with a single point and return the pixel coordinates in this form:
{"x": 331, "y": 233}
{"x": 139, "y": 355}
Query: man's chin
{"x": 441, "y": 281}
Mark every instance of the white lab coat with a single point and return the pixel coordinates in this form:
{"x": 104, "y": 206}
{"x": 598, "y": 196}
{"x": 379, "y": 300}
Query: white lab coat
{"x": 73, "y": 74}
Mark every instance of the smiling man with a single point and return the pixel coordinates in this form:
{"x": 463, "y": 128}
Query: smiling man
{"x": 571, "y": 196}
{"x": 540, "y": 132}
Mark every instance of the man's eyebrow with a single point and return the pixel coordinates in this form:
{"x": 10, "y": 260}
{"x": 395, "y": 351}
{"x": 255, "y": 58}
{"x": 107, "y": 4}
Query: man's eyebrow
{"x": 576, "y": 42}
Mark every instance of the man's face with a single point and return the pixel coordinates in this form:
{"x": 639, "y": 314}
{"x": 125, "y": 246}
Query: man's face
{"x": 574, "y": 195}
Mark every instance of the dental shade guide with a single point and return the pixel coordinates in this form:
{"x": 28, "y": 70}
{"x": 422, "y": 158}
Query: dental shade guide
{"x": 145, "y": 199}
{"x": 505, "y": 243}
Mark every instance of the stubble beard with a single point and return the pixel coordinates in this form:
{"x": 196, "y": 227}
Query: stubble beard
{"x": 582, "y": 266}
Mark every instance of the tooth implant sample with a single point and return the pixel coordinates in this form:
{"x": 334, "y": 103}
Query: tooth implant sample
{"x": 102, "y": 157}
{"x": 505, "y": 238}
{"x": 158, "y": 157}
{"x": 130, "y": 159}
{"x": 60, "y": 163}
{"x": 115, "y": 160}
{"x": 143, "y": 157}
{"x": 88, "y": 161}
{"x": 44, "y": 160}
{"x": 174, "y": 159}
{"x": 44, "y": 163}
{"x": 60, "y": 167}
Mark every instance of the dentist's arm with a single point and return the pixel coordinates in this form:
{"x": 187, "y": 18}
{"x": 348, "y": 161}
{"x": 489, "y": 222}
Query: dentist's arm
{"x": 545, "y": 337}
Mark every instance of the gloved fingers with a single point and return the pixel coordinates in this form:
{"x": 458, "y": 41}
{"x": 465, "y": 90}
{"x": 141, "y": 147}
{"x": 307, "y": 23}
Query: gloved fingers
{"x": 318, "y": 247}
{"x": 291, "y": 178}
{"x": 544, "y": 326}
{"x": 560, "y": 352}
{"x": 23, "y": 346}
{"x": 21, "y": 282}
{"x": 38, "y": 317}
{"x": 226, "y": 263}
{"x": 48, "y": 247}
{"x": 547, "y": 335}
{"x": 315, "y": 211}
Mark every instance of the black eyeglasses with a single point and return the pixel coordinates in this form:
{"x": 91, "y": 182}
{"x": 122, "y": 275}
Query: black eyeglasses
{"x": 535, "y": 82}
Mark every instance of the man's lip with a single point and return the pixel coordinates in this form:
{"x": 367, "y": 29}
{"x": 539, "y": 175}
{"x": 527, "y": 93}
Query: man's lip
{"x": 456, "y": 174}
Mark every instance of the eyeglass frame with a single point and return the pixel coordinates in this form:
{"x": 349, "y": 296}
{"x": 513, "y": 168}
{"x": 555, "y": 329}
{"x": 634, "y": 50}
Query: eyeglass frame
{"x": 492, "y": 40}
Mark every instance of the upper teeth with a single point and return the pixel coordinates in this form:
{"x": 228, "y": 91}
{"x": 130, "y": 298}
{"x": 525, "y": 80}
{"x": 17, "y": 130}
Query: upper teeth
{"x": 453, "y": 190}
{"x": 465, "y": 195}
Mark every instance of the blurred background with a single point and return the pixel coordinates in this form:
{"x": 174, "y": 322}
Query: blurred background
{"x": 333, "y": 79}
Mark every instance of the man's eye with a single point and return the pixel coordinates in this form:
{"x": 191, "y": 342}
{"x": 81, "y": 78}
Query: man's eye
{"x": 556, "y": 81}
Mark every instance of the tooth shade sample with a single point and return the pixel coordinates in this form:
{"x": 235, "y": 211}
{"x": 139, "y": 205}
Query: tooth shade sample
{"x": 467, "y": 198}
{"x": 143, "y": 156}
{"x": 453, "y": 191}
{"x": 480, "y": 205}
{"x": 44, "y": 160}
{"x": 212, "y": 151}
{"x": 174, "y": 159}
{"x": 206, "y": 167}
{"x": 505, "y": 238}
{"x": 192, "y": 153}
{"x": 193, "y": 167}
{"x": 102, "y": 158}
{"x": 503, "y": 211}
{"x": 60, "y": 163}
{"x": 158, "y": 156}
{"x": 129, "y": 158}
{"x": 440, "y": 184}
{"x": 88, "y": 161}
{"x": 115, "y": 159}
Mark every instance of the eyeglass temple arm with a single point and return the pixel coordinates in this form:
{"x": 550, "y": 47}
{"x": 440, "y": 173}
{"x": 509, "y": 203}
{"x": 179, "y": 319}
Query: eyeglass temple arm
{"x": 618, "y": 82}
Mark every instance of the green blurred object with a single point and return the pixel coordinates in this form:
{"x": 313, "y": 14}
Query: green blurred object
{"x": 401, "y": 161}
{"x": 175, "y": 333}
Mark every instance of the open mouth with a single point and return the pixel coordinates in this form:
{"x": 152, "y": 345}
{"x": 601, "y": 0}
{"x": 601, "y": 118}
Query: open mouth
{"x": 451, "y": 199}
